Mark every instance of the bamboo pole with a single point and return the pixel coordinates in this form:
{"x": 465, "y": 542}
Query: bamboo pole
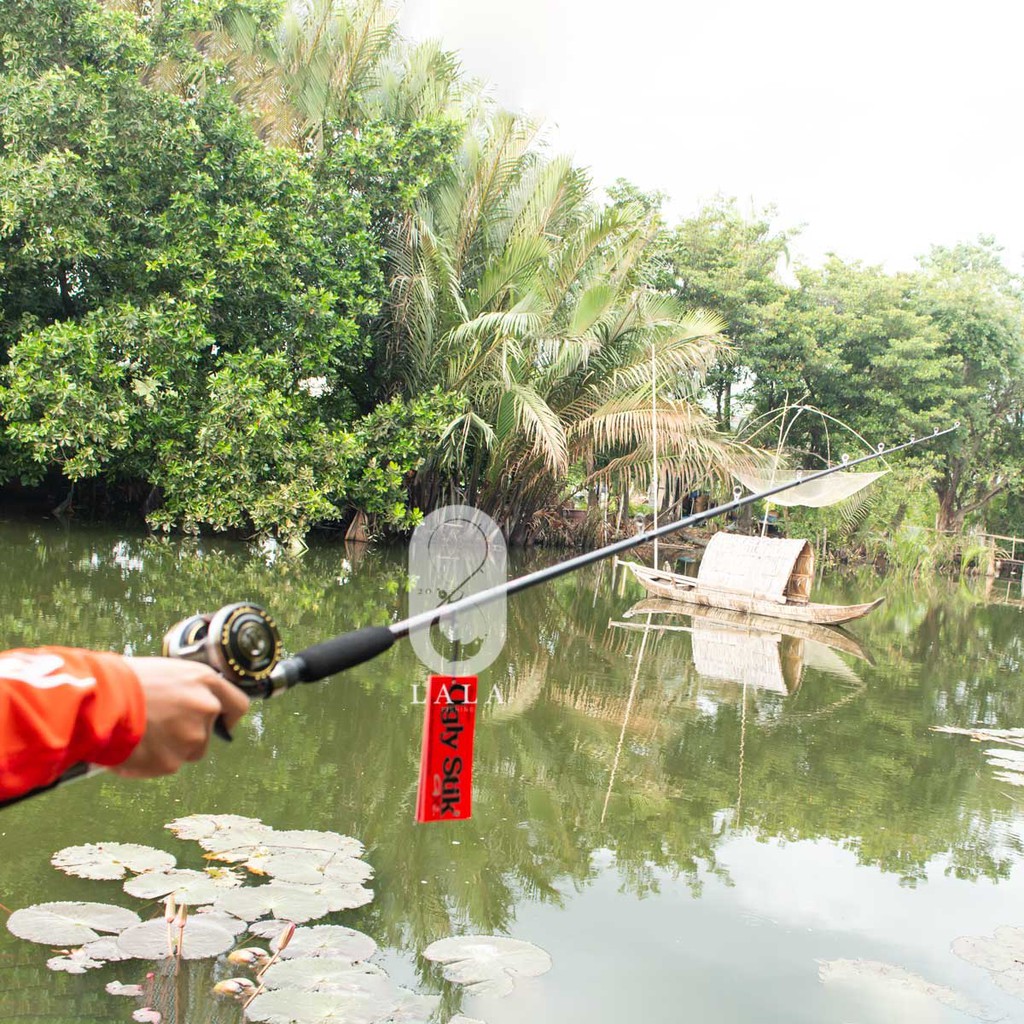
{"x": 654, "y": 446}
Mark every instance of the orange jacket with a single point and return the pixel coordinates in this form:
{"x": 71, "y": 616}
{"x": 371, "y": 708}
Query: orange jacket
{"x": 62, "y": 705}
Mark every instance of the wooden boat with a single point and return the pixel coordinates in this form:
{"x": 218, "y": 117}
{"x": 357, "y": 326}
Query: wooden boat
{"x": 833, "y": 637}
{"x": 766, "y": 576}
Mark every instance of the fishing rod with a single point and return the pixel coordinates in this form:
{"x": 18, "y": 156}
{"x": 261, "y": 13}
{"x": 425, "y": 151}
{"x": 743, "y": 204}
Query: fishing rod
{"x": 241, "y": 641}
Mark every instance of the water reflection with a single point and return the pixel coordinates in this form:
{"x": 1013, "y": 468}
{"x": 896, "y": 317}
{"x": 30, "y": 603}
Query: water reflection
{"x": 554, "y": 849}
{"x": 764, "y": 654}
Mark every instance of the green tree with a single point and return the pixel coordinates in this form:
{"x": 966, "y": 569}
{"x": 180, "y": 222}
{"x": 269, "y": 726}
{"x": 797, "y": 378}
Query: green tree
{"x": 976, "y": 306}
{"x": 159, "y": 259}
{"x": 725, "y": 261}
{"x": 511, "y": 287}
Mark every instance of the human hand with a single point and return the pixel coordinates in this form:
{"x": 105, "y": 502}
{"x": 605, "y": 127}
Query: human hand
{"x": 183, "y": 700}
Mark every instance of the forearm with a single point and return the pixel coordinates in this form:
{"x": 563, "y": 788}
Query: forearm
{"x": 59, "y": 706}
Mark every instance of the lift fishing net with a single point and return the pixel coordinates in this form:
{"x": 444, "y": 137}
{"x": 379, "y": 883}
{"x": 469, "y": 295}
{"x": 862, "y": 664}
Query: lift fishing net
{"x": 813, "y": 494}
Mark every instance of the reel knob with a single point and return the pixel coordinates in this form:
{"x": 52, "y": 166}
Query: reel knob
{"x": 240, "y": 641}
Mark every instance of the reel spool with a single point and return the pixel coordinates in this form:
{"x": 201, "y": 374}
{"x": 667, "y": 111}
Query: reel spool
{"x": 240, "y": 641}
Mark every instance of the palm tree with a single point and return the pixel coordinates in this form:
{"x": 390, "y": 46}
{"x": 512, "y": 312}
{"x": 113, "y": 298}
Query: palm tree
{"x": 513, "y": 288}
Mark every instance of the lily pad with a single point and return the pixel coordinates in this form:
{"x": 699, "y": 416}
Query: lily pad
{"x": 69, "y": 924}
{"x": 201, "y": 939}
{"x": 235, "y": 844}
{"x": 104, "y": 948}
{"x": 228, "y": 922}
{"x": 311, "y": 840}
{"x": 75, "y": 962}
{"x": 860, "y": 972}
{"x": 116, "y": 988}
{"x": 110, "y": 860}
{"x": 294, "y": 1006}
{"x": 1002, "y": 951}
{"x": 338, "y": 895}
{"x": 1002, "y": 955}
{"x": 330, "y": 940}
{"x": 486, "y": 964}
{"x": 459, "y": 1019}
{"x": 413, "y": 1008}
{"x": 328, "y": 974}
{"x": 312, "y": 867}
{"x": 201, "y": 826}
{"x": 268, "y": 929}
{"x": 187, "y": 886}
{"x": 288, "y": 902}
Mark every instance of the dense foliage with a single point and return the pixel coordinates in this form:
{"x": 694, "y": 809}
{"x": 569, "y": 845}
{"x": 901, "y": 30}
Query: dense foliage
{"x": 262, "y": 265}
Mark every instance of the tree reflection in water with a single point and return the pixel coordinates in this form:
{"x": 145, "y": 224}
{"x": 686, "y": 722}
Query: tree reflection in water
{"x": 827, "y": 758}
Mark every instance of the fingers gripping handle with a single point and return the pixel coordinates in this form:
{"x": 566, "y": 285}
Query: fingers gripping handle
{"x": 322, "y": 660}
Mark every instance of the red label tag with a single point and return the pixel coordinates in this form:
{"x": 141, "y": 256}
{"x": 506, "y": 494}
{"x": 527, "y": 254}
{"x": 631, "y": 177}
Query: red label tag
{"x": 446, "y": 762}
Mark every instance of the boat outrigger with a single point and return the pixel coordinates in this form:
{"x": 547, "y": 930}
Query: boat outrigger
{"x": 765, "y": 576}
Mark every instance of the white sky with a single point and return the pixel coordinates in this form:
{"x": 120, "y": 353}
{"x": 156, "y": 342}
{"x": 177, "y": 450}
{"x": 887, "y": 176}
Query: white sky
{"x": 882, "y": 125}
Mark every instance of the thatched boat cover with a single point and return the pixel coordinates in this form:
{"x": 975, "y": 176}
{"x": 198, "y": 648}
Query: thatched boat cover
{"x": 752, "y": 659}
{"x": 769, "y": 568}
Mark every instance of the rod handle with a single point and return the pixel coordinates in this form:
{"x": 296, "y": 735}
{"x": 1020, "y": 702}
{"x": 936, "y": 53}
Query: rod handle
{"x": 331, "y": 656}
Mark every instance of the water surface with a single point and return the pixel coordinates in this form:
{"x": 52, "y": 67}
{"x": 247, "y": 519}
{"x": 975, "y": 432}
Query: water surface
{"x": 685, "y": 847}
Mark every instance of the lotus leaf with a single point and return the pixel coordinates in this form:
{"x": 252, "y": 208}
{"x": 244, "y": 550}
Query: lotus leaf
{"x": 288, "y": 902}
{"x": 1002, "y": 955}
{"x": 115, "y": 988}
{"x": 311, "y": 840}
{"x": 235, "y": 844}
{"x": 201, "y": 939}
{"x": 859, "y": 972}
{"x": 201, "y": 826}
{"x": 76, "y": 962}
{"x": 110, "y": 860}
{"x": 344, "y": 897}
{"x": 268, "y": 929}
{"x": 69, "y": 924}
{"x": 294, "y": 1006}
{"x": 228, "y": 922}
{"x": 338, "y": 896}
{"x": 332, "y": 940}
{"x": 1002, "y": 952}
{"x": 459, "y": 1019}
{"x": 105, "y": 948}
{"x": 327, "y": 974}
{"x": 486, "y": 964}
{"x": 413, "y": 1008}
{"x": 312, "y": 867}
{"x": 187, "y": 886}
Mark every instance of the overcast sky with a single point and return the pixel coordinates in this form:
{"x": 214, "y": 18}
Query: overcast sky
{"x": 882, "y": 126}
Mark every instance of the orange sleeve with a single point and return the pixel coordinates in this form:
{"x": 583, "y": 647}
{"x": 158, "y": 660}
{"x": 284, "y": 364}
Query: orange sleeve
{"x": 62, "y": 705}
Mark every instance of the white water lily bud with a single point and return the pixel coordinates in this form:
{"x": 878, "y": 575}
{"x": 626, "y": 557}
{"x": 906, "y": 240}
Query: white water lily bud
{"x": 285, "y": 937}
{"x": 237, "y": 988}
{"x": 170, "y": 909}
{"x": 251, "y": 955}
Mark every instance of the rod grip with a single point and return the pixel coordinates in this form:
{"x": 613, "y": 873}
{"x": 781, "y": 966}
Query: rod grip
{"x": 322, "y": 660}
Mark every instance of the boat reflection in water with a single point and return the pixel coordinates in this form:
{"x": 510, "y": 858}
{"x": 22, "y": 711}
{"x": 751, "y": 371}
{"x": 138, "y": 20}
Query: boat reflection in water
{"x": 749, "y": 650}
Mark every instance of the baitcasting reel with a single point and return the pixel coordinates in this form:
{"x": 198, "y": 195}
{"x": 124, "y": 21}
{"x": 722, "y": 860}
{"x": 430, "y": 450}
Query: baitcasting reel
{"x": 240, "y": 641}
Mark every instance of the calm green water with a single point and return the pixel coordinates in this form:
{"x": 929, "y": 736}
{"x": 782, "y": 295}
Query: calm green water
{"x": 690, "y": 855}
